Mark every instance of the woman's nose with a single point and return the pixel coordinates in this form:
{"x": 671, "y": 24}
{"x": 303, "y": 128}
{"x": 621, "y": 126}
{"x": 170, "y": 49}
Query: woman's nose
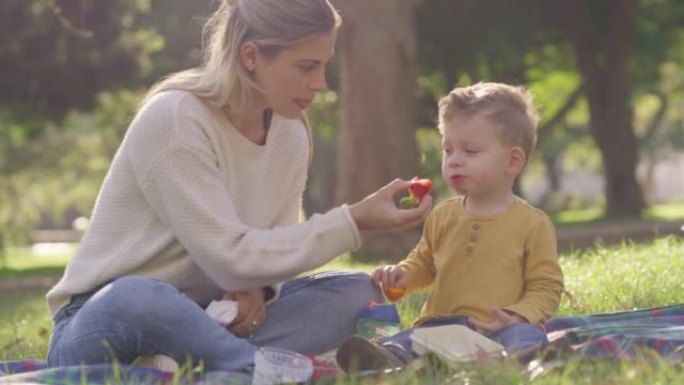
{"x": 318, "y": 82}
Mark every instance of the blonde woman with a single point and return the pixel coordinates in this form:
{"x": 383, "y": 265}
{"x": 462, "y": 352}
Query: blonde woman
{"x": 202, "y": 198}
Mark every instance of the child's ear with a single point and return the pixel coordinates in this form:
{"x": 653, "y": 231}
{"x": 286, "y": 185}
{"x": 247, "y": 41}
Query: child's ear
{"x": 516, "y": 161}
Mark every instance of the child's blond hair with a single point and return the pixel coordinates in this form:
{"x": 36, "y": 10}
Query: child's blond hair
{"x": 510, "y": 107}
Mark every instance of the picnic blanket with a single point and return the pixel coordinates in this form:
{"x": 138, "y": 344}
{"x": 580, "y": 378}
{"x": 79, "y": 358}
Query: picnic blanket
{"x": 619, "y": 335}
{"x": 624, "y": 334}
{"x": 37, "y": 372}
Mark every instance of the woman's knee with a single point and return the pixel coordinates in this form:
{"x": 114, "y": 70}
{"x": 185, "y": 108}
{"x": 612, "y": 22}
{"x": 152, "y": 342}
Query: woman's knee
{"x": 134, "y": 296}
{"x": 356, "y": 289}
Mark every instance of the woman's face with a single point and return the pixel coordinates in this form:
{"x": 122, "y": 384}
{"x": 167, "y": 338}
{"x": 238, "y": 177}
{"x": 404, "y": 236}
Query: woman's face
{"x": 290, "y": 80}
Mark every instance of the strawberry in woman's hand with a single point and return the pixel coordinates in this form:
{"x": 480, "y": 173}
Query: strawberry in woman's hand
{"x": 418, "y": 189}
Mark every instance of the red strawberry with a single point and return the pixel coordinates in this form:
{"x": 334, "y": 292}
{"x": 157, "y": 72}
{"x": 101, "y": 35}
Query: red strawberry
{"x": 420, "y": 187}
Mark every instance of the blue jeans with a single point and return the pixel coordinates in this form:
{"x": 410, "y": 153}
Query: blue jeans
{"x": 512, "y": 338}
{"x": 138, "y": 316}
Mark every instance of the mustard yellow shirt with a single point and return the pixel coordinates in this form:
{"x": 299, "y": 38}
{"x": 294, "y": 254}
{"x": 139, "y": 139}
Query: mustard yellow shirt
{"x": 472, "y": 263}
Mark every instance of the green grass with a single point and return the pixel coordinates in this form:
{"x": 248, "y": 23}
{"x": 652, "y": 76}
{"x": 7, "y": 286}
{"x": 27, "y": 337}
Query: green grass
{"x": 600, "y": 279}
{"x": 41, "y": 260}
{"x": 666, "y": 212}
{"x": 661, "y": 212}
{"x": 24, "y": 325}
{"x": 624, "y": 277}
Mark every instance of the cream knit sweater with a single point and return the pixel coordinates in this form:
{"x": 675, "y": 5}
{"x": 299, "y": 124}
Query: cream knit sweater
{"x": 190, "y": 201}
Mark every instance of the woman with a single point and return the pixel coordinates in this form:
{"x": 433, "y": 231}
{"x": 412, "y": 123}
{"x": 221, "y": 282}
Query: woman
{"x": 202, "y": 198}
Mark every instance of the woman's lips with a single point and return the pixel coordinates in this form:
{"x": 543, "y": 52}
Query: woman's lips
{"x": 303, "y": 103}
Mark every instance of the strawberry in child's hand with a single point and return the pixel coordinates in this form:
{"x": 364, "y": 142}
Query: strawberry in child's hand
{"x": 418, "y": 189}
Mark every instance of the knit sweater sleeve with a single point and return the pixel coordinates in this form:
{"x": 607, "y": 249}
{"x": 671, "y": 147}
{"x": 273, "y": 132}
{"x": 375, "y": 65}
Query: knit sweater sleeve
{"x": 186, "y": 189}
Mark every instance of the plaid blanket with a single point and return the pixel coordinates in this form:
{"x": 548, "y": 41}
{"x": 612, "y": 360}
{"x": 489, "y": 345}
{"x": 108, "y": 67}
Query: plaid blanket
{"x": 37, "y": 372}
{"x": 621, "y": 335}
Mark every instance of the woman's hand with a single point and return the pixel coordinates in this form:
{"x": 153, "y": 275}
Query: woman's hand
{"x": 501, "y": 320}
{"x": 378, "y": 212}
{"x": 251, "y": 311}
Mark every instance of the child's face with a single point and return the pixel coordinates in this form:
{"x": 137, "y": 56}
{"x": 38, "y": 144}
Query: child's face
{"x": 474, "y": 161}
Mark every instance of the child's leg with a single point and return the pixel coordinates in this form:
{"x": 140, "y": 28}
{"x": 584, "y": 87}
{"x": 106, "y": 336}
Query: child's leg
{"x": 518, "y": 337}
{"x": 401, "y": 345}
{"x": 358, "y": 354}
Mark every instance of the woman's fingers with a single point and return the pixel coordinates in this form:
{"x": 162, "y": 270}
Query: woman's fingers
{"x": 378, "y": 211}
{"x": 413, "y": 217}
{"x": 251, "y": 312}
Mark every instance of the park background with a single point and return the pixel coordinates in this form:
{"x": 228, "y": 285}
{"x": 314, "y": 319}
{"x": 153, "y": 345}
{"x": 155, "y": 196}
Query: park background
{"x": 608, "y": 76}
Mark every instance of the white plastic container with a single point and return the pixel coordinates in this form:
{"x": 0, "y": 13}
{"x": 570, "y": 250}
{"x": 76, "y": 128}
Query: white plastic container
{"x": 454, "y": 343}
{"x": 277, "y": 366}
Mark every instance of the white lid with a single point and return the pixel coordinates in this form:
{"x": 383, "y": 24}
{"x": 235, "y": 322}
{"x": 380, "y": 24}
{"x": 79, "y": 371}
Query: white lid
{"x": 454, "y": 342}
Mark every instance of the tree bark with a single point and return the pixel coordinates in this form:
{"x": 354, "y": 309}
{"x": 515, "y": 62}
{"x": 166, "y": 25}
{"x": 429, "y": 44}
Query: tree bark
{"x": 379, "y": 117}
{"x": 604, "y": 66}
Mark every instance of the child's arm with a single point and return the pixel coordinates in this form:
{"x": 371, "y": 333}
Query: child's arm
{"x": 543, "y": 277}
{"x": 419, "y": 266}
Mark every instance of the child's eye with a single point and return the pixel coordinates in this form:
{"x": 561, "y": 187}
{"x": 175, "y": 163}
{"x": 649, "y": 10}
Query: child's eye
{"x": 447, "y": 151}
{"x": 307, "y": 67}
{"x": 472, "y": 152}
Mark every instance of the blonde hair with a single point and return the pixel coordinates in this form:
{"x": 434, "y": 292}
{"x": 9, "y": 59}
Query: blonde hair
{"x": 272, "y": 25}
{"x": 510, "y": 107}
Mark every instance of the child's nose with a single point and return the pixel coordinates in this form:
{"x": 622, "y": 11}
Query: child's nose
{"x": 455, "y": 160}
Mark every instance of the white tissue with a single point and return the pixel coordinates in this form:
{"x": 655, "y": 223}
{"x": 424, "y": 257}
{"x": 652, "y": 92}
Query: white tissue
{"x": 223, "y": 312}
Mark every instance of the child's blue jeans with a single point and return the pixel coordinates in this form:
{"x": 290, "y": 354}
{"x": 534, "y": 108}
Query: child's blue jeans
{"x": 512, "y": 338}
{"x": 139, "y": 316}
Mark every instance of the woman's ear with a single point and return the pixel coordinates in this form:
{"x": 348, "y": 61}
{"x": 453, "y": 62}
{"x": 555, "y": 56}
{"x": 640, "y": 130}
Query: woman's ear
{"x": 249, "y": 55}
{"x": 516, "y": 161}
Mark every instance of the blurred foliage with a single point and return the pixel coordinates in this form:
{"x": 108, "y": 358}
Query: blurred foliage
{"x": 467, "y": 41}
{"x": 73, "y": 73}
{"x": 324, "y": 117}
{"x": 60, "y": 167}
{"x": 76, "y": 68}
{"x": 62, "y": 53}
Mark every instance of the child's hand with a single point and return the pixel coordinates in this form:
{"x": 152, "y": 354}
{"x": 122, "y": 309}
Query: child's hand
{"x": 390, "y": 277}
{"x": 502, "y": 319}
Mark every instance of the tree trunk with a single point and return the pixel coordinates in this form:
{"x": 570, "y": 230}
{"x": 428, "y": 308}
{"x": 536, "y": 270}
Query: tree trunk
{"x": 604, "y": 67}
{"x": 319, "y": 195}
{"x": 378, "y": 85}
